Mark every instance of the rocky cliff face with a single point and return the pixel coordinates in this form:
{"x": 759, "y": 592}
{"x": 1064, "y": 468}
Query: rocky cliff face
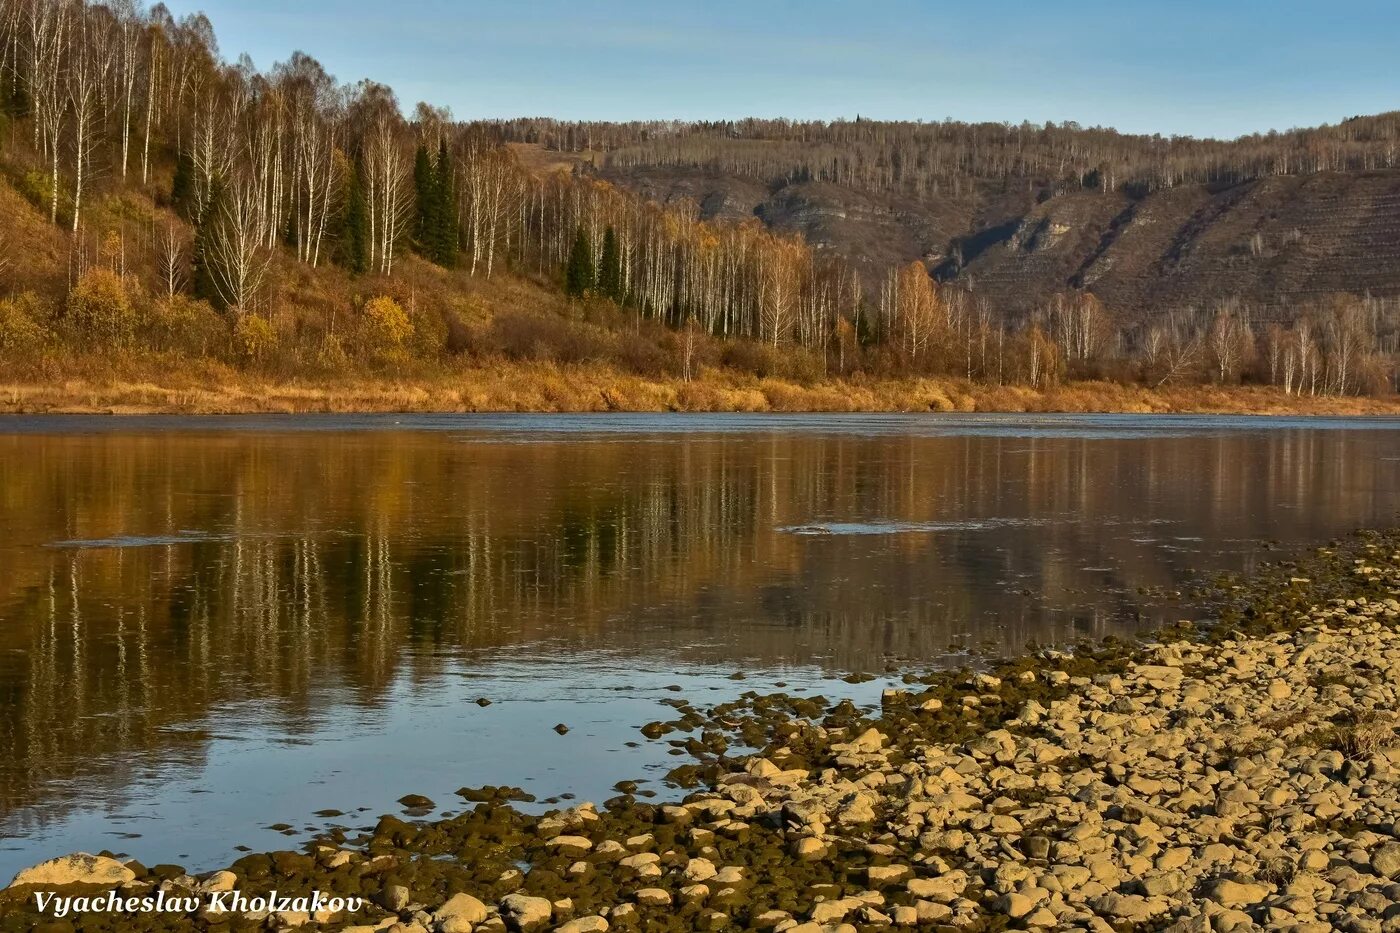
{"x": 1275, "y": 241}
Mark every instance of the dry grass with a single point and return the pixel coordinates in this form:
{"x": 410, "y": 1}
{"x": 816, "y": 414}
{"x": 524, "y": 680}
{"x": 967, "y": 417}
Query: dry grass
{"x": 208, "y": 388}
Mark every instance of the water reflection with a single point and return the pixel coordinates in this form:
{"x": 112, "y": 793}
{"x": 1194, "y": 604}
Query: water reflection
{"x": 154, "y": 580}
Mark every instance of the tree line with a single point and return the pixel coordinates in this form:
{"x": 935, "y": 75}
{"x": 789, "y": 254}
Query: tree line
{"x": 948, "y": 157}
{"x": 288, "y": 167}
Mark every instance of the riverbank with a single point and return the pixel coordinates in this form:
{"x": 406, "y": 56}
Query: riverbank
{"x": 1237, "y": 775}
{"x": 544, "y": 387}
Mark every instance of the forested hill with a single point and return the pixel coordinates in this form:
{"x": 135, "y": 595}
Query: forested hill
{"x": 1020, "y": 212}
{"x": 165, "y": 206}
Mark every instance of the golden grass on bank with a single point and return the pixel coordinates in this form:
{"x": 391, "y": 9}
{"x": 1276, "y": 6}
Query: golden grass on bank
{"x": 212, "y": 388}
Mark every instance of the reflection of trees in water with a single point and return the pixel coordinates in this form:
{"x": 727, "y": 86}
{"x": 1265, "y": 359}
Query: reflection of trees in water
{"x": 325, "y": 558}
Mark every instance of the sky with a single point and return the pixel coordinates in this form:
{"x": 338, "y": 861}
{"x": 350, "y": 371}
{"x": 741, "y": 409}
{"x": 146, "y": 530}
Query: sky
{"x": 1219, "y": 68}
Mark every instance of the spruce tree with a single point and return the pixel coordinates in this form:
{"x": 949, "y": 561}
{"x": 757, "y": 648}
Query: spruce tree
{"x": 445, "y": 192}
{"x": 354, "y": 234}
{"x": 202, "y": 274}
{"x": 610, "y": 268}
{"x": 425, "y": 203}
{"x": 182, "y": 196}
{"x": 578, "y": 276}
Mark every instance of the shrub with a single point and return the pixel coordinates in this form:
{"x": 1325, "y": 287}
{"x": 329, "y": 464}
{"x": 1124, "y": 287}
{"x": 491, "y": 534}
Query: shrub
{"x": 37, "y": 188}
{"x": 184, "y": 324}
{"x": 386, "y": 326}
{"x": 640, "y": 355}
{"x": 459, "y": 336}
{"x": 22, "y": 327}
{"x": 547, "y": 339}
{"x": 100, "y": 308}
{"x": 254, "y": 340}
{"x": 330, "y": 353}
{"x": 752, "y": 357}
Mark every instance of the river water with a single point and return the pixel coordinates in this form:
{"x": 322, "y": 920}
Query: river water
{"x": 211, "y": 627}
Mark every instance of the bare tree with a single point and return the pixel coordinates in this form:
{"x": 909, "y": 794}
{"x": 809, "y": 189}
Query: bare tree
{"x": 90, "y": 62}
{"x": 238, "y": 261}
{"x": 49, "y": 24}
{"x": 388, "y": 187}
{"x": 131, "y": 31}
{"x": 1231, "y": 340}
{"x": 172, "y": 259}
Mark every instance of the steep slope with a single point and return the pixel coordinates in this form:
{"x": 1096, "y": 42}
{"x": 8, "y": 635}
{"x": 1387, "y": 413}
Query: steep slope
{"x": 1275, "y": 241}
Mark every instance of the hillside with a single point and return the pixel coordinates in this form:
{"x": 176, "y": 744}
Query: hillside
{"x": 1020, "y": 213}
{"x": 173, "y": 224}
{"x": 1273, "y": 242}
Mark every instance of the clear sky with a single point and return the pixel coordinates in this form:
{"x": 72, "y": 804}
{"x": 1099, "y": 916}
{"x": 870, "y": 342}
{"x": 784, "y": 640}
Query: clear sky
{"x": 1201, "y": 67}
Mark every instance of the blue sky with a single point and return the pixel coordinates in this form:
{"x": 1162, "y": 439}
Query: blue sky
{"x": 1201, "y": 67}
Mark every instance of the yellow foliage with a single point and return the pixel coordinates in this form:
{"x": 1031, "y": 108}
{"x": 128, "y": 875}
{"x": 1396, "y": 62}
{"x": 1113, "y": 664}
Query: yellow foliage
{"x": 100, "y": 307}
{"x": 253, "y": 337}
{"x": 386, "y": 325}
{"x": 21, "y": 329}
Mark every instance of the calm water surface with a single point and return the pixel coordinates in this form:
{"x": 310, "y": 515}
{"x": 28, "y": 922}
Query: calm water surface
{"x": 210, "y": 626}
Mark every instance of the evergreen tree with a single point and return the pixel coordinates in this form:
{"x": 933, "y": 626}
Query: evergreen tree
{"x": 578, "y": 276}
{"x": 182, "y": 196}
{"x": 202, "y": 276}
{"x": 426, "y": 201}
{"x": 435, "y": 221}
{"x": 354, "y": 231}
{"x": 445, "y": 236}
{"x": 610, "y": 268}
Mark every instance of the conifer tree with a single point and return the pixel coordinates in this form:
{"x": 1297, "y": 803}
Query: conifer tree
{"x": 182, "y": 196}
{"x": 202, "y": 275}
{"x": 426, "y": 201}
{"x": 579, "y": 275}
{"x": 610, "y": 268}
{"x": 354, "y": 238}
{"x": 445, "y": 238}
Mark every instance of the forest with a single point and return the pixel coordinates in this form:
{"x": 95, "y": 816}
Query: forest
{"x": 934, "y": 157}
{"x": 163, "y": 204}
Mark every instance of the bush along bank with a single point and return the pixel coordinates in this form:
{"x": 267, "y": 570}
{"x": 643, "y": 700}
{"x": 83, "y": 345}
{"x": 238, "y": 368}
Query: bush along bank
{"x": 1242, "y": 775}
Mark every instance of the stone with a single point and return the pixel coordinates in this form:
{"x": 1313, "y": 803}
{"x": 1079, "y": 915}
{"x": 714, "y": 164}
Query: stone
{"x": 522, "y": 912}
{"x": 1229, "y": 893}
{"x": 1385, "y": 861}
{"x": 1014, "y": 905}
{"x": 930, "y": 912}
{"x": 593, "y": 924}
{"x": 700, "y": 869}
{"x": 943, "y": 888}
{"x": 1166, "y": 883}
{"x": 653, "y": 897}
{"x": 460, "y": 914}
{"x": 830, "y": 911}
{"x": 394, "y": 898}
{"x": 640, "y": 860}
{"x": 880, "y": 875}
{"x": 78, "y": 868}
{"x": 219, "y": 881}
{"x": 574, "y": 844}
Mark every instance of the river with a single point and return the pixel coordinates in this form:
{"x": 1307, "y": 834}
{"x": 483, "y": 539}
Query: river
{"x": 213, "y": 628}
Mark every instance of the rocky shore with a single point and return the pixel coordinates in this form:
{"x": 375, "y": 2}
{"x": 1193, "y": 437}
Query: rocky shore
{"x": 1234, "y": 775}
